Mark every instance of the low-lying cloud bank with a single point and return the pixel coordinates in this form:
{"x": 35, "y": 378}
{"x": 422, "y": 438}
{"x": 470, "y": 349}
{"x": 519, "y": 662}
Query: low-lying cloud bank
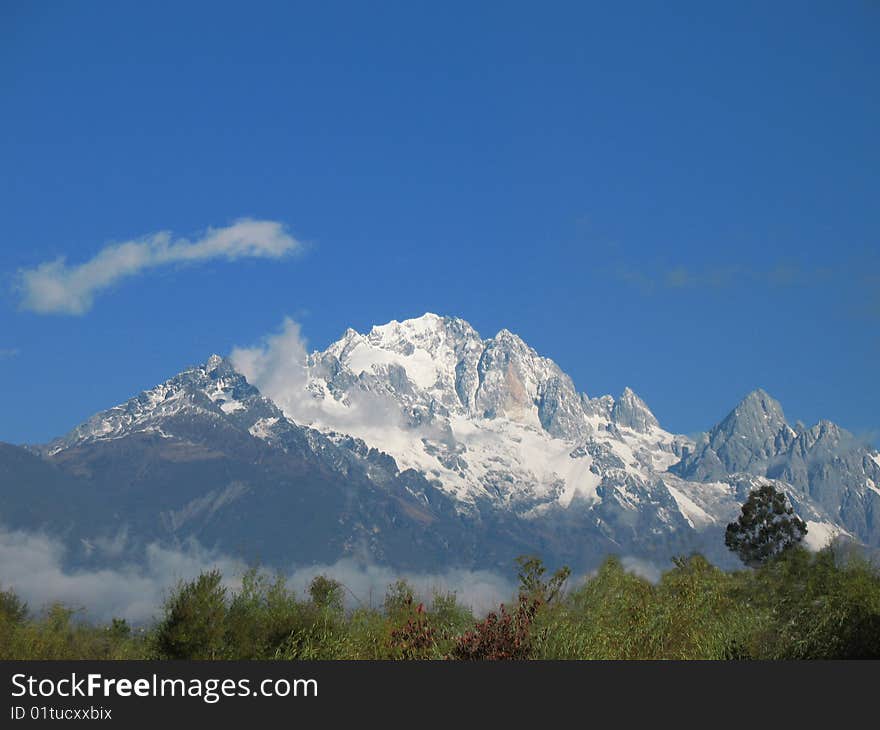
{"x": 366, "y": 584}
{"x": 54, "y": 287}
{"x": 33, "y": 565}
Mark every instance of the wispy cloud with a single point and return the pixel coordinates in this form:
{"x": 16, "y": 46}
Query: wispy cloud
{"x": 869, "y": 437}
{"x": 651, "y": 280}
{"x": 682, "y": 277}
{"x": 636, "y": 278}
{"x": 56, "y": 287}
{"x": 7, "y": 353}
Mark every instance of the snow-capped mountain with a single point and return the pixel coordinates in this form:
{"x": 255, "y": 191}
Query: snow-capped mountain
{"x": 206, "y": 456}
{"x": 423, "y": 434}
{"x": 487, "y": 419}
{"x": 215, "y": 391}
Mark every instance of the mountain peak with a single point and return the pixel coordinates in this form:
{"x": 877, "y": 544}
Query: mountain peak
{"x": 506, "y": 338}
{"x": 761, "y": 402}
{"x": 426, "y": 322}
{"x": 212, "y": 390}
{"x": 828, "y": 433}
{"x": 755, "y": 422}
{"x": 213, "y": 362}
{"x": 631, "y": 411}
{"x": 427, "y": 331}
{"x": 750, "y": 436}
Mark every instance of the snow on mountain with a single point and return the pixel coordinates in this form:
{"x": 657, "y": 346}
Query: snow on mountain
{"x": 486, "y": 419}
{"x": 824, "y": 466}
{"x": 498, "y": 432}
{"x": 212, "y": 390}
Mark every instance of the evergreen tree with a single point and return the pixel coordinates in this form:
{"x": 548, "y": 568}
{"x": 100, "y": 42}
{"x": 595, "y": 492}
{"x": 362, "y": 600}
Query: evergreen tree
{"x": 766, "y": 527}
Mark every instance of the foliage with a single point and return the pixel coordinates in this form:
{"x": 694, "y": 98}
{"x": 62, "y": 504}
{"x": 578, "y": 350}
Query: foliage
{"x": 531, "y": 583}
{"x": 12, "y": 608}
{"x": 695, "y": 614}
{"x": 57, "y": 635}
{"x": 509, "y": 634}
{"x": 795, "y": 605}
{"x": 820, "y": 606}
{"x": 416, "y": 638}
{"x": 195, "y": 619}
{"x": 327, "y": 593}
{"x": 503, "y": 635}
{"x": 261, "y": 618}
{"x": 449, "y": 618}
{"x": 766, "y": 527}
{"x": 608, "y": 617}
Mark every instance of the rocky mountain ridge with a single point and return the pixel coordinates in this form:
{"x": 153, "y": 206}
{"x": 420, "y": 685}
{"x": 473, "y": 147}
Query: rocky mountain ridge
{"x": 422, "y": 433}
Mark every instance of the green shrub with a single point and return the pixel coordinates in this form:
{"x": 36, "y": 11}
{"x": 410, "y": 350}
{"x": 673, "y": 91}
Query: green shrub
{"x": 608, "y": 617}
{"x": 797, "y": 605}
{"x": 696, "y": 614}
{"x": 194, "y": 621}
{"x": 819, "y": 606}
{"x": 327, "y": 593}
{"x": 12, "y": 608}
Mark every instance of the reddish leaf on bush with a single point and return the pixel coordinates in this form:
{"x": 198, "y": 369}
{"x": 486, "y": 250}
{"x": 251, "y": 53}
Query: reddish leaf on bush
{"x": 498, "y": 637}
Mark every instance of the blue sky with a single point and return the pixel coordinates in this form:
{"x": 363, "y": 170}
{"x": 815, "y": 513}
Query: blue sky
{"x": 677, "y": 197}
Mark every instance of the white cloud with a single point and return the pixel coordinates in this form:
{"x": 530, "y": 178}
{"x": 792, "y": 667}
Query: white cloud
{"x": 54, "y": 287}
{"x": 32, "y": 564}
{"x": 278, "y": 367}
{"x": 367, "y": 583}
{"x": 643, "y": 568}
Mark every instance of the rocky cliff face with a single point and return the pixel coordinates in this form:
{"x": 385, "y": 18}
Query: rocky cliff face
{"x": 632, "y": 412}
{"x": 750, "y": 435}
